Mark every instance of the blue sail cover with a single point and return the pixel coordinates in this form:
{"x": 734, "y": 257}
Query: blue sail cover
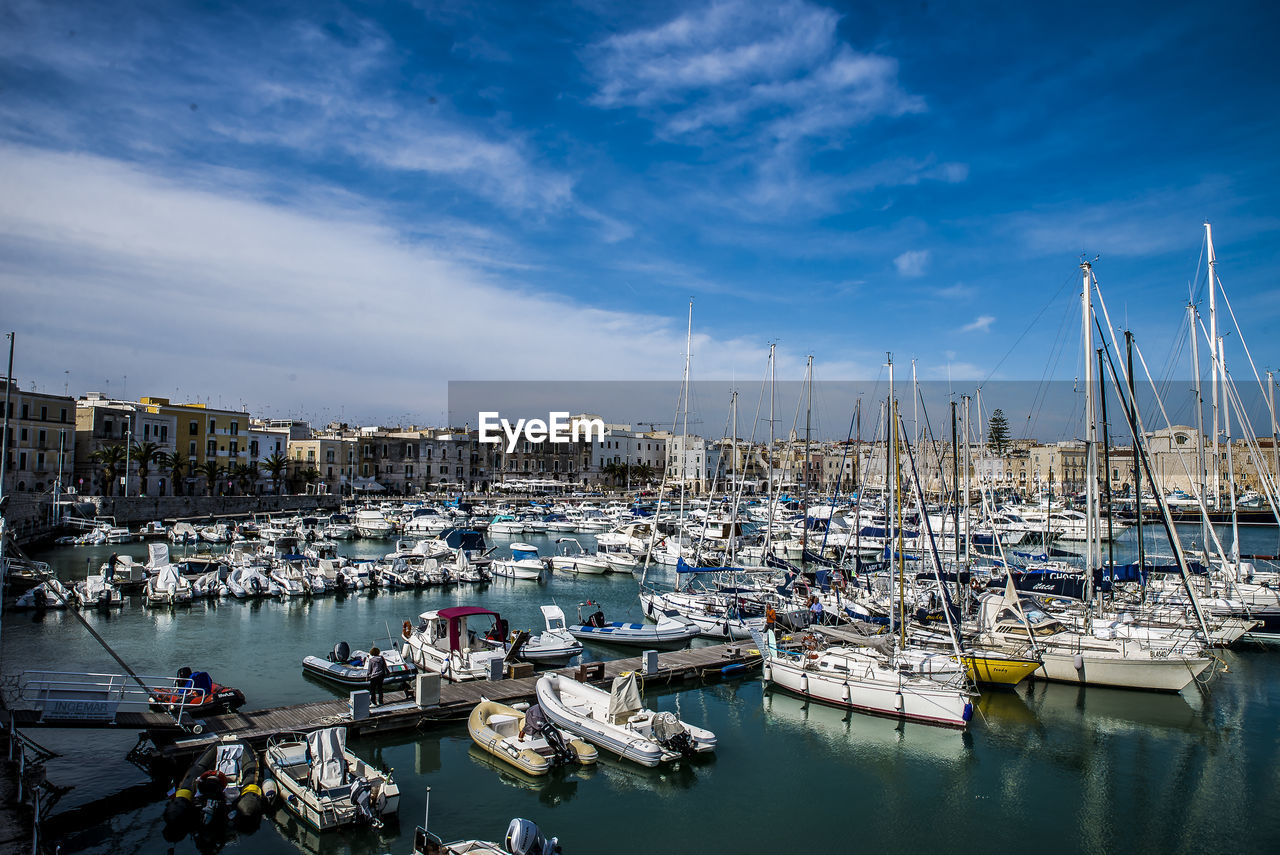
{"x": 683, "y": 567}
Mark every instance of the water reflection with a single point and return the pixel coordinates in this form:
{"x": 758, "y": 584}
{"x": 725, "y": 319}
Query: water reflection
{"x": 555, "y": 788}
{"x": 865, "y": 737}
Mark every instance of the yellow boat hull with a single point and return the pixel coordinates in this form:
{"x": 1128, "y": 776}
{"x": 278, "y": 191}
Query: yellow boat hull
{"x": 997, "y": 670}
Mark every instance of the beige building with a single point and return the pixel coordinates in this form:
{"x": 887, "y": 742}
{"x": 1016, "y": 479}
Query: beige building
{"x": 41, "y": 440}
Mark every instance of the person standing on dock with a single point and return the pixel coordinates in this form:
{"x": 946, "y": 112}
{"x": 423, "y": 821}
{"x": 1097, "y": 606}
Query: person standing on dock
{"x": 377, "y": 673}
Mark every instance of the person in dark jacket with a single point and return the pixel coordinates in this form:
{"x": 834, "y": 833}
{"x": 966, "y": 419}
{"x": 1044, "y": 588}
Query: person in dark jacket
{"x": 377, "y": 673}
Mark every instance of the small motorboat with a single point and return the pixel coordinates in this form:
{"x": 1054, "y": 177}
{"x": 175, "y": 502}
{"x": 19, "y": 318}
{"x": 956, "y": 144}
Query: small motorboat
{"x": 444, "y": 644}
{"x": 168, "y": 588}
{"x": 524, "y": 563}
{"x": 197, "y": 694}
{"x": 575, "y": 559}
{"x": 223, "y": 789}
{"x": 154, "y": 530}
{"x": 351, "y": 668}
{"x": 617, "y": 722}
{"x": 97, "y": 591}
{"x": 526, "y": 740}
{"x": 325, "y": 784}
{"x": 523, "y": 838}
{"x": 553, "y": 644}
{"x": 49, "y": 594}
{"x": 671, "y": 632}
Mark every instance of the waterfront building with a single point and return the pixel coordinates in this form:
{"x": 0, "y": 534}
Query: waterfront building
{"x": 41, "y": 440}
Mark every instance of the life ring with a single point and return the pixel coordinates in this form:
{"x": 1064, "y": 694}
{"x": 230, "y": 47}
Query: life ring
{"x": 407, "y": 630}
{"x": 215, "y": 775}
{"x": 811, "y": 643}
{"x": 813, "y": 654}
{"x": 974, "y": 584}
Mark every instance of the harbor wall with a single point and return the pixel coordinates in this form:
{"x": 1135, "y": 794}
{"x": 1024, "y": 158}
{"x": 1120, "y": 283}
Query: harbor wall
{"x": 136, "y": 510}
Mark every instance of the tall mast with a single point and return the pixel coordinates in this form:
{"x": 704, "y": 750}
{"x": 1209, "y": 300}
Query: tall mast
{"x": 684, "y": 442}
{"x": 1213, "y": 361}
{"x": 955, "y": 495}
{"x": 733, "y": 476}
{"x": 1199, "y": 401}
{"x": 1106, "y": 474}
{"x": 1137, "y": 464}
{"x": 890, "y": 510}
{"x": 1092, "y": 549}
{"x": 1231, "y": 469}
{"x": 804, "y": 532}
{"x": 1271, "y": 405}
{"x": 768, "y": 532}
{"x": 968, "y": 462}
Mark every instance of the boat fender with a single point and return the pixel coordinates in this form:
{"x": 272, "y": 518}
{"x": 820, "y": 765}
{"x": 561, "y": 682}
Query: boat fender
{"x": 407, "y": 630}
{"x": 968, "y": 711}
{"x": 1079, "y": 662}
{"x": 731, "y": 670}
{"x": 270, "y": 792}
{"x": 897, "y": 701}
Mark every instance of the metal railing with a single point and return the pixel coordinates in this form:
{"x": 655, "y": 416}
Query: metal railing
{"x": 87, "y": 697}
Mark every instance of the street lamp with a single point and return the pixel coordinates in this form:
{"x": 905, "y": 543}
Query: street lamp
{"x": 128, "y": 441}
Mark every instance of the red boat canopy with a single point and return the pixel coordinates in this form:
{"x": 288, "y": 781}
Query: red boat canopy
{"x": 455, "y": 615}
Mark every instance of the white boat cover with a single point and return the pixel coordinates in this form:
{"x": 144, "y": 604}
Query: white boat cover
{"x": 624, "y": 698}
{"x": 158, "y": 555}
{"x": 167, "y": 580}
{"x": 328, "y": 758}
{"x": 554, "y": 617}
{"x": 229, "y": 759}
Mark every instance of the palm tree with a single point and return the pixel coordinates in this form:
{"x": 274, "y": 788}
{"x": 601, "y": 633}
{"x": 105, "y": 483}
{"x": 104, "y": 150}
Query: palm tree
{"x": 112, "y": 459}
{"x": 145, "y": 453}
{"x": 311, "y": 475}
{"x": 275, "y": 466}
{"x": 176, "y": 464}
{"x": 246, "y": 476}
{"x": 210, "y": 470}
{"x": 642, "y": 473}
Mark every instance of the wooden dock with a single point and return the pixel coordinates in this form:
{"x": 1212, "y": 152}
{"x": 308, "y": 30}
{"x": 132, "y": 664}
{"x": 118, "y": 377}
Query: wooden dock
{"x": 456, "y": 701}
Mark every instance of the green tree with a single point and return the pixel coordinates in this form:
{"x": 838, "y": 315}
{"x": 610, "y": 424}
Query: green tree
{"x": 144, "y": 454}
{"x": 276, "y": 466}
{"x": 310, "y": 475}
{"x": 246, "y": 475}
{"x": 177, "y": 465}
{"x": 211, "y": 471}
{"x": 998, "y": 433}
{"x": 111, "y": 458}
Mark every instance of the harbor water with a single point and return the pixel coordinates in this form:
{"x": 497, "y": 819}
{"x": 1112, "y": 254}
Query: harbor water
{"x": 1050, "y": 768}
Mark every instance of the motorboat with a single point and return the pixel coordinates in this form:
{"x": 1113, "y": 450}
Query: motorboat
{"x": 443, "y": 643}
{"x": 617, "y": 722}
{"x": 523, "y": 838}
{"x": 183, "y": 533}
{"x": 370, "y": 522}
{"x": 195, "y": 693}
{"x": 339, "y": 527}
{"x": 506, "y": 524}
{"x": 672, "y": 630}
{"x": 248, "y": 581}
{"x": 553, "y": 644}
{"x": 168, "y": 587}
{"x": 154, "y": 530}
{"x": 526, "y": 740}
{"x": 217, "y": 533}
{"x": 223, "y": 789}
{"x": 97, "y": 591}
{"x": 325, "y": 784}
{"x": 348, "y": 667}
{"x": 575, "y": 559}
{"x": 524, "y": 563}
{"x": 49, "y": 594}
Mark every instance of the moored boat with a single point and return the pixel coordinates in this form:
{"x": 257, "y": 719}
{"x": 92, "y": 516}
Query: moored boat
{"x": 326, "y": 785}
{"x": 672, "y": 631}
{"x": 526, "y": 740}
{"x": 346, "y": 667}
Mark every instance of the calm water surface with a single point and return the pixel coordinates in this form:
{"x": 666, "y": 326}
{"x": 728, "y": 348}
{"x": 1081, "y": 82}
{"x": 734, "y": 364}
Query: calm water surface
{"x": 1054, "y": 768}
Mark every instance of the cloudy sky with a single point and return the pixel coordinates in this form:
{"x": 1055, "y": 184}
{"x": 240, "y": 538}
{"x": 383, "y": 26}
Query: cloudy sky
{"x": 331, "y": 210}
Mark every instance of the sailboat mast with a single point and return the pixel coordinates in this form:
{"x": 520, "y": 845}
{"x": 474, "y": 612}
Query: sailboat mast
{"x": 1271, "y": 405}
{"x": 968, "y": 462}
{"x": 1199, "y": 396}
{"x": 955, "y": 496}
{"x": 804, "y": 532}
{"x": 1092, "y": 552}
{"x": 684, "y": 441}
{"x": 1106, "y": 474}
{"x": 1213, "y": 362}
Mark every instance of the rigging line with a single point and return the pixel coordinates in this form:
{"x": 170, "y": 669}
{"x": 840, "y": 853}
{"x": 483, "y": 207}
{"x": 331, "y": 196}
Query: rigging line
{"x": 1027, "y": 329}
{"x": 1042, "y": 392}
{"x": 1240, "y": 335}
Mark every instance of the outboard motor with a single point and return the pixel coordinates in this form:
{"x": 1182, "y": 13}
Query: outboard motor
{"x": 536, "y": 724}
{"x": 596, "y": 620}
{"x": 524, "y": 838}
{"x": 672, "y": 735}
{"x": 362, "y": 798}
{"x": 341, "y": 652}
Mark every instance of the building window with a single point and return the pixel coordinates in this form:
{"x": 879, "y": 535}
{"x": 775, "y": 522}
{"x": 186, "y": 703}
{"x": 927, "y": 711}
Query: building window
{"x": 235, "y": 448}
{"x": 107, "y": 427}
{"x": 235, "y": 428}
{"x": 211, "y": 448}
{"x": 164, "y": 433}
{"x": 328, "y": 456}
{"x": 192, "y": 448}
{"x": 444, "y": 470}
{"x": 213, "y": 425}
{"x": 146, "y": 431}
{"x": 63, "y": 417}
{"x": 22, "y": 434}
{"x": 194, "y": 429}
{"x": 311, "y": 454}
{"x": 44, "y": 414}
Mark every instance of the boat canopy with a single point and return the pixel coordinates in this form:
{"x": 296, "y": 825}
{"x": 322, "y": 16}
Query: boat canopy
{"x": 328, "y": 758}
{"x": 463, "y": 538}
{"x": 455, "y": 616}
{"x": 683, "y": 567}
{"x": 524, "y": 552}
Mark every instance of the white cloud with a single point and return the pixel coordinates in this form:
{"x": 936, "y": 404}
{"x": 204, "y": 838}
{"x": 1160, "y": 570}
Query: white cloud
{"x": 981, "y": 324}
{"x": 912, "y": 263}
{"x": 777, "y": 69}
{"x": 225, "y": 295}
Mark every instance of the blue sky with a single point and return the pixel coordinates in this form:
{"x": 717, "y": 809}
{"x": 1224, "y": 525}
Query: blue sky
{"x": 333, "y": 209}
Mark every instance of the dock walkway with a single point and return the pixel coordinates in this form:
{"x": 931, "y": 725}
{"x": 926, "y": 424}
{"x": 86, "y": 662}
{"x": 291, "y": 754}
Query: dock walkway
{"x": 456, "y": 702}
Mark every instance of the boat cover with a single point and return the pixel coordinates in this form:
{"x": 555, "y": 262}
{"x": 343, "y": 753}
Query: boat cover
{"x": 624, "y": 698}
{"x": 158, "y": 554}
{"x": 328, "y": 758}
{"x": 229, "y": 759}
{"x": 167, "y": 579}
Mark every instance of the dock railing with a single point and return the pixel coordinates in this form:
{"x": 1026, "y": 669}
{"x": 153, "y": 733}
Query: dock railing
{"x": 88, "y": 698}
